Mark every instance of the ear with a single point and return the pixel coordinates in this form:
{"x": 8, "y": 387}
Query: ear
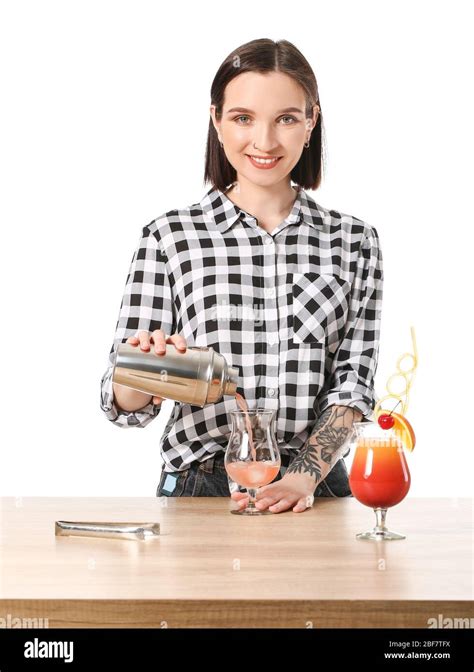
{"x": 217, "y": 125}
{"x": 314, "y": 119}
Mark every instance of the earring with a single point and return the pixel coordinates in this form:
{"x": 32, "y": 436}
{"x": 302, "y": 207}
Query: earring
{"x": 306, "y": 144}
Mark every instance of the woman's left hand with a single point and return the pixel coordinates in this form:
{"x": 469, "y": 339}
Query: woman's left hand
{"x": 293, "y": 490}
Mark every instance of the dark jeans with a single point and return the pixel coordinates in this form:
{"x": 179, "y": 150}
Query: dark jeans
{"x": 209, "y": 479}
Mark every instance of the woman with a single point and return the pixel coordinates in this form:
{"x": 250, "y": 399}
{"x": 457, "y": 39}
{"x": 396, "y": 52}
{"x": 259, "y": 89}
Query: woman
{"x": 288, "y": 291}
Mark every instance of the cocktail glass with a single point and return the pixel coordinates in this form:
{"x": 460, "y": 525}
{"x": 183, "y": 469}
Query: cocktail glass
{"x": 379, "y": 475}
{"x": 252, "y": 457}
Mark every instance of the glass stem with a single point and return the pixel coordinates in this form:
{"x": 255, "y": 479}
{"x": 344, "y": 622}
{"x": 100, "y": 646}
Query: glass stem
{"x": 252, "y": 493}
{"x": 380, "y": 520}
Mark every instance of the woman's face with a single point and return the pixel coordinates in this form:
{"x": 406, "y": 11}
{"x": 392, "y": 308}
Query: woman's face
{"x": 263, "y": 125}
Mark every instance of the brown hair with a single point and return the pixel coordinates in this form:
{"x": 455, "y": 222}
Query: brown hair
{"x": 262, "y": 56}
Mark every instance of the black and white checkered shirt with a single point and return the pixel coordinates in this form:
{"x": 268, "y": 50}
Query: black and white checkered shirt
{"x": 297, "y": 311}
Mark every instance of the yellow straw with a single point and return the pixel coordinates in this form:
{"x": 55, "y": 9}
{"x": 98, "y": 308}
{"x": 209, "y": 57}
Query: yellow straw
{"x": 407, "y": 375}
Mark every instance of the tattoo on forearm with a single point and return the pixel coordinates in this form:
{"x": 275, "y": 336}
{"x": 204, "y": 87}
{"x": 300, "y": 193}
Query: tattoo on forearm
{"x": 307, "y": 460}
{"x": 334, "y": 434}
{"x": 329, "y": 434}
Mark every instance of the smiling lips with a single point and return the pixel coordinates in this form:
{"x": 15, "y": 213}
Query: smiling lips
{"x": 263, "y": 163}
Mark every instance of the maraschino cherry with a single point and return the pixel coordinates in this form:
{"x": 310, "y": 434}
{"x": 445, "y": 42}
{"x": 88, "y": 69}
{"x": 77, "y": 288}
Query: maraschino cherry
{"x": 386, "y": 421}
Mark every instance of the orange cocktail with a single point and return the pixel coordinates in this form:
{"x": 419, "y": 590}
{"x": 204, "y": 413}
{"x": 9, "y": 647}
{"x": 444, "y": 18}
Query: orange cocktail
{"x": 379, "y": 476}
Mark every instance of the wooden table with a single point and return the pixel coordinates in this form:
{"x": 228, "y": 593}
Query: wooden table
{"x": 213, "y": 569}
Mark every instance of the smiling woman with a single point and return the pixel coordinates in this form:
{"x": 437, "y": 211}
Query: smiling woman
{"x": 304, "y": 285}
{"x": 265, "y": 105}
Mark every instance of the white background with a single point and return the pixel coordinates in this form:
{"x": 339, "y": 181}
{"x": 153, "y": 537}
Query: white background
{"x": 104, "y": 117}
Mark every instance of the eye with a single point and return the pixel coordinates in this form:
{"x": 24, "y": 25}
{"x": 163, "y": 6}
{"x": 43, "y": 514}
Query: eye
{"x": 245, "y": 116}
{"x": 242, "y": 116}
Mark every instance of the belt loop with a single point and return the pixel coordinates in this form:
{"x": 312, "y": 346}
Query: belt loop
{"x": 208, "y": 465}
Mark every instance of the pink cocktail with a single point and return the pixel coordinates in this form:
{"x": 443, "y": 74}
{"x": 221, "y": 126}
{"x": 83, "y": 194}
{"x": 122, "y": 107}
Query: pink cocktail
{"x": 252, "y": 458}
{"x": 252, "y": 474}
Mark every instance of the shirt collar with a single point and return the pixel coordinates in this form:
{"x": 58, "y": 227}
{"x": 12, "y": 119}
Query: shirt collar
{"x": 220, "y": 211}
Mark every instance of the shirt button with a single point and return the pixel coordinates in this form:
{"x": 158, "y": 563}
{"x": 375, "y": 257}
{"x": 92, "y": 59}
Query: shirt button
{"x": 271, "y": 392}
{"x": 270, "y": 292}
{"x": 268, "y": 241}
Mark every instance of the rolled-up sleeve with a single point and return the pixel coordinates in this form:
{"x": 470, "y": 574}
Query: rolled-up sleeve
{"x": 351, "y": 376}
{"x": 147, "y": 304}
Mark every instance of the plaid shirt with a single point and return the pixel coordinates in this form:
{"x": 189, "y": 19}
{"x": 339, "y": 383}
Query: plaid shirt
{"x": 297, "y": 311}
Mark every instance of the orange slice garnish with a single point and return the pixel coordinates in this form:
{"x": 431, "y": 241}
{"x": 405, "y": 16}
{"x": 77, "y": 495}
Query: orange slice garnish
{"x": 404, "y": 431}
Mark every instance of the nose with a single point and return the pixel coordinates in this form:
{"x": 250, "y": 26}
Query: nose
{"x": 264, "y": 139}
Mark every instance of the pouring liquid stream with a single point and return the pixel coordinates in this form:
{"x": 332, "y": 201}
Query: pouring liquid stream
{"x": 242, "y": 404}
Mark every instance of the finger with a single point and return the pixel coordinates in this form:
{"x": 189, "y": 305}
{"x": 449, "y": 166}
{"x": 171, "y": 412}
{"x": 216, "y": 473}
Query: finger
{"x": 178, "y": 341}
{"x": 159, "y": 339}
{"x": 265, "y": 502}
{"x": 133, "y": 340}
{"x": 241, "y": 502}
{"x": 144, "y": 338}
{"x": 282, "y": 505}
{"x": 237, "y": 496}
{"x": 302, "y": 504}
{"x": 157, "y": 400}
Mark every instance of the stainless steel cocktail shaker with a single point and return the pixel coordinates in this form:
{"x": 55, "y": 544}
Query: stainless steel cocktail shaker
{"x": 198, "y": 376}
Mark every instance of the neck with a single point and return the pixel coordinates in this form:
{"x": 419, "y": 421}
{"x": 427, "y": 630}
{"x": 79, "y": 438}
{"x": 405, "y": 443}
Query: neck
{"x": 263, "y": 201}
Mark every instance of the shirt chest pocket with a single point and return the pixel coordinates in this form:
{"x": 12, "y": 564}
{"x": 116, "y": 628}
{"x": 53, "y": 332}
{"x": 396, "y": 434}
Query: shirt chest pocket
{"x": 320, "y": 308}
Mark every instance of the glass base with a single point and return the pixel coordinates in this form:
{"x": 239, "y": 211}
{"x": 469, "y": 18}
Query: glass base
{"x": 380, "y": 535}
{"x": 380, "y": 531}
{"x": 251, "y": 512}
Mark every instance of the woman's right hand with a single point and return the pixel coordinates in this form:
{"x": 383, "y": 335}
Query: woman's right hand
{"x": 159, "y": 339}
